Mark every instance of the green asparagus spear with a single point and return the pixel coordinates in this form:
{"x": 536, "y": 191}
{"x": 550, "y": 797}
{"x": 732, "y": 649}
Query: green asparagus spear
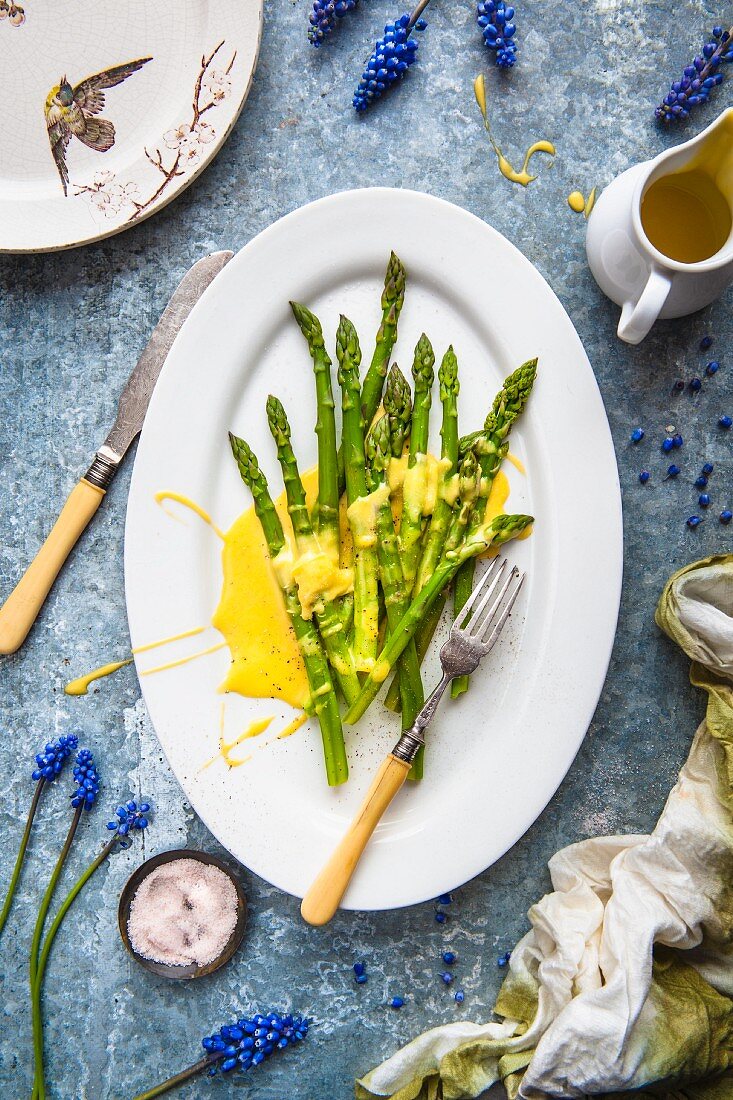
{"x": 393, "y": 296}
{"x": 438, "y": 529}
{"x": 413, "y": 492}
{"x": 396, "y": 593}
{"x": 360, "y": 511}
{"x": 499, "y": 531}
{"x": 398, "y": 407}
{"x": 491, "y": 445}
{"x": 326, "y": 610}
{"x": 322, "y": 694}
{"x": 468, "y": 490}
{"x": 326, "y": 516}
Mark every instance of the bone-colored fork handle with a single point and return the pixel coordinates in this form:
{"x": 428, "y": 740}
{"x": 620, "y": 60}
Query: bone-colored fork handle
{"x": 322, "y": 900}
{"x": 19, "y": 611}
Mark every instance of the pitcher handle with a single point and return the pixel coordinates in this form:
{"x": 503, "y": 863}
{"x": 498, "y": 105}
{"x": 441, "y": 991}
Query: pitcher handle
{"x": 638, "y": 317}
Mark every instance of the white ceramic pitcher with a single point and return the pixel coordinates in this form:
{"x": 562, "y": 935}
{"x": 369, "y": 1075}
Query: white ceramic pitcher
{"x": 645, "y": 282}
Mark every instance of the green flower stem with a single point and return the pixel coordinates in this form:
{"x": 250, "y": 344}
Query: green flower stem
{"x": 184, "y": 1075}
{"x": 39, "y": 1087}
{"x": 21, "y": 854}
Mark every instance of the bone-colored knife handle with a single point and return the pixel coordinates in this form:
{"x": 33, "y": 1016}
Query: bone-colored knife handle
{"x": 19, "y": 611}
{"x": 324, "y": 896}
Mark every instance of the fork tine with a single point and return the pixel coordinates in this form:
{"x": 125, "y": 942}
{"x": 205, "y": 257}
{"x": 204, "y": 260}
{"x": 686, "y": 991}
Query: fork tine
{"x": 486, "y": 591}
{"x": 495, "y": 569}
{"x": 488, "y": 580}
{"x": 492, "y": 629}
{"x": 479, "y": 620}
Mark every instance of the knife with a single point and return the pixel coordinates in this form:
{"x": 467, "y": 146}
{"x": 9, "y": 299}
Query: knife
{"x": 19, "y": 611}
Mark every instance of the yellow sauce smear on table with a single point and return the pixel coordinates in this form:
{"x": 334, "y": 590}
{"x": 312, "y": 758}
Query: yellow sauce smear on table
{"x": 523, "y": 176}
{"x": 81, "y": 685}
{"x": 292, "y": 727}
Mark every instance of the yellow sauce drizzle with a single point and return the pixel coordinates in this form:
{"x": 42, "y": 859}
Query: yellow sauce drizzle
{"x": 184, "y": 660}
{"x": 254, "y": 729}
{"x": 522, "y": 176}
{"x": 81, "y": 685}
{"x": 516, "y": 463}
{"x": 165, "y": 641}
{"x": 292, "y": 727}
{"x": 179, "y": 498}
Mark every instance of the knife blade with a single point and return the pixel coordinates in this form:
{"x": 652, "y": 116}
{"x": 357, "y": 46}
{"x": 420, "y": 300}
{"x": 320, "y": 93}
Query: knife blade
{"x": 19, "y": 611}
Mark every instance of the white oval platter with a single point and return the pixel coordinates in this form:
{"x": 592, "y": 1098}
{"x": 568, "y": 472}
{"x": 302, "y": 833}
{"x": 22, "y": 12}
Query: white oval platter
{"x": 495, "y": 757}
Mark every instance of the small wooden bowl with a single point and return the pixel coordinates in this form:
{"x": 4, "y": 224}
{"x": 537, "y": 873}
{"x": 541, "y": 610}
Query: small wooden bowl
{"x": 192, "y": 970}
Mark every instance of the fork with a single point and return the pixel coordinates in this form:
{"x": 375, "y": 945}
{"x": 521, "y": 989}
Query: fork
{"x": 473, "y": 634}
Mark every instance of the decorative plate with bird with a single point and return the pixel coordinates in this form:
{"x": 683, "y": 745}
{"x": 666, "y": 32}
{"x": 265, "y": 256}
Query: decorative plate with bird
{"x": 118, "y": 110}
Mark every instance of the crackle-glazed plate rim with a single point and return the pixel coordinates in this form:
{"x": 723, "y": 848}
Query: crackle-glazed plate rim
{"x": 242, "y": 24}
{"x": 496, "y": 757}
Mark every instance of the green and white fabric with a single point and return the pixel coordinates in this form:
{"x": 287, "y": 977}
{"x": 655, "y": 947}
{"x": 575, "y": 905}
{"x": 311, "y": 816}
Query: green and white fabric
{"x": 625, "y": 980}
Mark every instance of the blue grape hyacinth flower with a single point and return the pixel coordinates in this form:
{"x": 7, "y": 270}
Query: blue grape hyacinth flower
{"x": 699, "y": 78}
{"x": 392, "y": 56}
{"x": 250, "y": 1040}
{"x": 86, "y": 778}
{"x": 323, "y": 18}
{"x": 50, "y": 762}
{"x": 494, "y": 18}
{"x": 129, "y": 817}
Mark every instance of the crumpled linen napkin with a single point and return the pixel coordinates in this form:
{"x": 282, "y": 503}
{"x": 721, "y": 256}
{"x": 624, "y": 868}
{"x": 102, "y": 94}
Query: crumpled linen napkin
{"x": 625, "y": 980}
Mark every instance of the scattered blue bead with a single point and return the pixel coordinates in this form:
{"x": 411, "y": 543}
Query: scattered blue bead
{"x": 644, "y": 477}
{"x": 503, "y": 960}
{"x": 725, "y": 422}
{"x": 447, "y": 977}
{"x": 705, "y": 343}
{"x": 445, "y": 899}
{"x": 704, "y": 500}
{"x": 677, "y": 441}
{"x": 712, "y": 368}
{"x": 726, "y": 516}
{"x": 359, "y": 969}
{"x": 323, "y": 18}
{"x": 396, "y": 1002}
{"x": 441, "y": 917}
{"x": 701, "y": 482}
{"x": 494, "y": 17}
{"x": 694, "y": 521}
{"x": 459, "y": 996}
{"x": 695, "y": 385}
{"x": 667, "y": 444}
{"x": 448, "y": 958}
{"x": 708, "y": 469}
{"x": 637, "y": 435}
{"x": 361, "y": 979}
{"x": 672, "y": 471}
{"x": 392, "y": 56}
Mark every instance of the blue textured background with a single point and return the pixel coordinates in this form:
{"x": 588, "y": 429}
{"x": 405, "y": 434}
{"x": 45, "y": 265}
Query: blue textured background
{"x": 71, "y": 326}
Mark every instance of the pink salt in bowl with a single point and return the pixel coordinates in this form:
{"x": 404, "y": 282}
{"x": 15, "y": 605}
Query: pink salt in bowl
{"x": 128, "y": 902}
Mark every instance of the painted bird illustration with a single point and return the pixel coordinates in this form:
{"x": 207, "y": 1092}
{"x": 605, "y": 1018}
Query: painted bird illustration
{"x": 71, "y": 112}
